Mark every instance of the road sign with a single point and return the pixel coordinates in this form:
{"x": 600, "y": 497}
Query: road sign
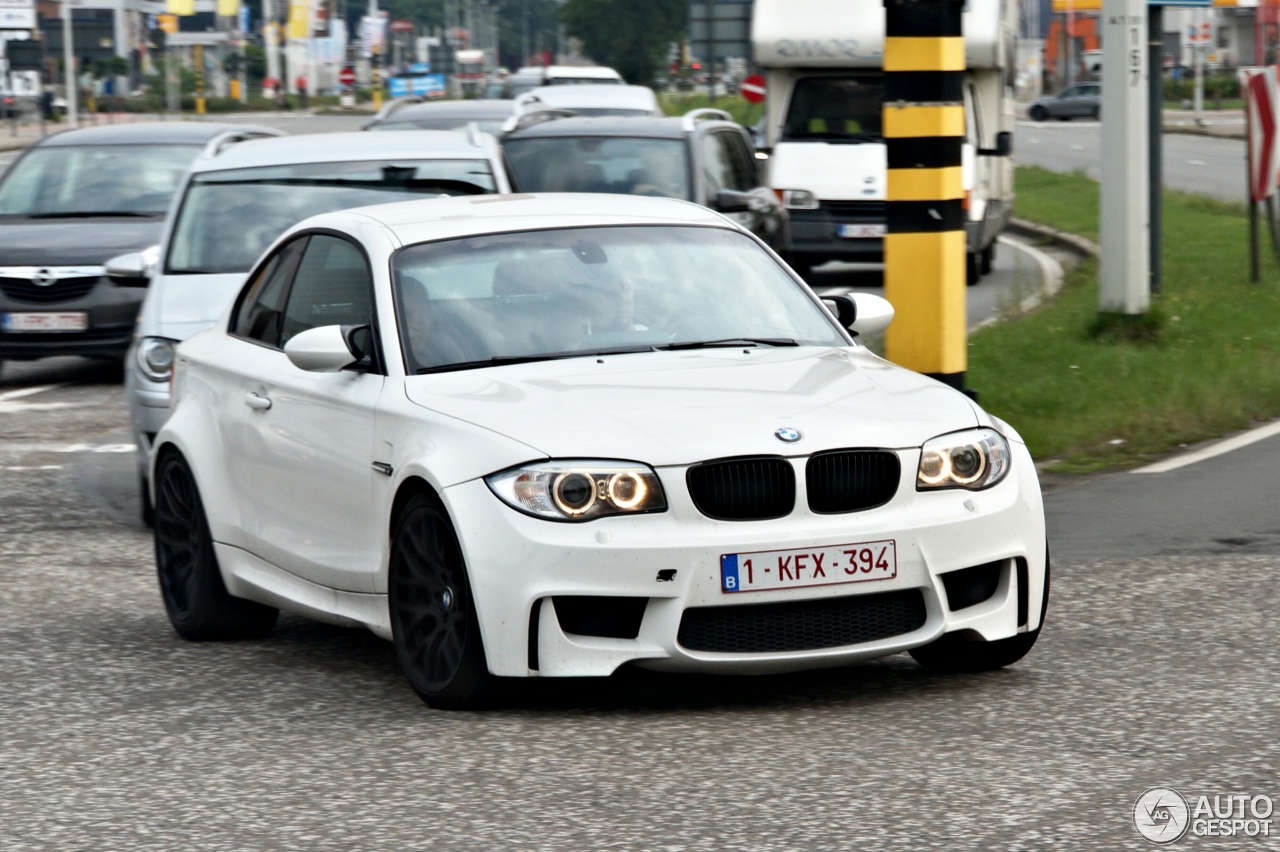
{"x": 753, "y": 88}
{"x": 168, "y": 23}
{"x": 17, "y": 14}
{"x": 1261, "y": 97}
{"x": 347, "y": 76}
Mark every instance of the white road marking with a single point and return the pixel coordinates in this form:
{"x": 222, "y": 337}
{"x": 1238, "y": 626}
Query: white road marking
{"x": 31, "y": 391}
{"x": 67, "y": 448}
{"x": 1077, "y": 147}
{"x": 1196, "y": 163}
{"x": 1244, "y": 439}
{"x": 34, "y": 467}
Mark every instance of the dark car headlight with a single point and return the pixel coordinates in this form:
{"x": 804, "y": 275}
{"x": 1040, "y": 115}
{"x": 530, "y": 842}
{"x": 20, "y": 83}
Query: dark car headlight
{"x": 579, "y": 490}
{"x": 974, "y": 459}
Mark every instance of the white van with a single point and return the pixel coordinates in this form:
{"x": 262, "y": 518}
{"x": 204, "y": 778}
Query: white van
{"x": 823, "y": 61}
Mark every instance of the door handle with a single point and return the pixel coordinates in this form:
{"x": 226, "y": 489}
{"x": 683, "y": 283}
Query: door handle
{"x": 256, "y": 402}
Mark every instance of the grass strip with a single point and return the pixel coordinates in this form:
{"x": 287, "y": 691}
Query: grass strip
{"x": 746, "y": 114}
{"x": 1087, "y": 395}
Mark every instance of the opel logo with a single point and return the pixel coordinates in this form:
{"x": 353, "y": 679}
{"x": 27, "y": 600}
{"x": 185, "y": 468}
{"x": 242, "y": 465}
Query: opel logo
{"x": 787, "y": 434}
{"x": 44, "y": 277}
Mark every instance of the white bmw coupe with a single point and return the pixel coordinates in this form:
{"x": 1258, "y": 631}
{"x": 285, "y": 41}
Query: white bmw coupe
{"x": 548, "y": 435}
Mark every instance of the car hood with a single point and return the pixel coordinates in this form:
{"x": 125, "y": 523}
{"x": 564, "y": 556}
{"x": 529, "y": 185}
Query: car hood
{"x": 62, "y": 242}
{"x": 676, "y": 408}
{"x": 832, "y": 172}
{"x": 191, "y": 303}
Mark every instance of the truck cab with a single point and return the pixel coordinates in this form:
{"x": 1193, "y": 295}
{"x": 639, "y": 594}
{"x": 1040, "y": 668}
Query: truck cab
{"x": 823, "y": 65}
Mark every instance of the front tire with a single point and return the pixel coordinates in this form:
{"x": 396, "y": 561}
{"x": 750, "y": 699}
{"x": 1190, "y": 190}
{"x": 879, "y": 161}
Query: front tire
{"x": 433, "y": 616}
{"x": 197, "y": 601}
{"x": 1038, "y": 113}
{"x": 972, "y": 269}
{"x": 954, "y": 653}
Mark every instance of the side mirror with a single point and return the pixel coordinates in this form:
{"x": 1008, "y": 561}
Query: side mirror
{"x": 324, "y": 349}
{"x": 843, "y": 308}
{"x": 129, "y": 270}
{"x": 731, "y": 201}
{"x": 1004, "y": 146}
{"x": 873, "y": 315}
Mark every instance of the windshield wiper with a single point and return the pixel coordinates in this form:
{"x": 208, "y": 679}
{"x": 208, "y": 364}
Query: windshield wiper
{"x": 502, "y": 360}
{"x": 731, "y": 342}
{"x": 94, "y": 214}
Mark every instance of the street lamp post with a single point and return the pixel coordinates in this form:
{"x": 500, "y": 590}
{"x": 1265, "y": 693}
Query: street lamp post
{"x": 69, "y": 66}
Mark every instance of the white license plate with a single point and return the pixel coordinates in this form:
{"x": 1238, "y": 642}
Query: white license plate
{"x": 859, "y": 232}
{"x": 66, "y": 321}
{"x": 814, "y": 566}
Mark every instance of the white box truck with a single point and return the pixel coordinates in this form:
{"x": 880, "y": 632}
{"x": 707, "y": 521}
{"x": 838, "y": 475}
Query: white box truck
{"x": 822, "y": 61}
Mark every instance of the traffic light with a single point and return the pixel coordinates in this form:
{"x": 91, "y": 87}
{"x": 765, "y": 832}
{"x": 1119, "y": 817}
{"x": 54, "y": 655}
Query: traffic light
{"x": 156, "y": 39}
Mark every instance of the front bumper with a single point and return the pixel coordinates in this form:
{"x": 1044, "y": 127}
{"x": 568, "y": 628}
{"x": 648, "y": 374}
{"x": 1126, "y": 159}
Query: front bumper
{"x": 518, "y": 564}
{"x": 111, "y": 312}
{"x": 148, "y": 409}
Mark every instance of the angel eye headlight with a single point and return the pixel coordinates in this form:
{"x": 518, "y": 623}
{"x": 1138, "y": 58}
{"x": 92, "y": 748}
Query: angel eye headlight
{"x": 973, "y": 459}
{"x": 579, "y": 490}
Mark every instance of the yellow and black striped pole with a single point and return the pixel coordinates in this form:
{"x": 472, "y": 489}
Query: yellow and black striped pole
{"x": 924, "y": 247}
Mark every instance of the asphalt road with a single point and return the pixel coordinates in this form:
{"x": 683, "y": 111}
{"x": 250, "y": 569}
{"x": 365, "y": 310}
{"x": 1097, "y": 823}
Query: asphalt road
{"x": 1201, "y": 164}
{"x": 1157, "y": 667}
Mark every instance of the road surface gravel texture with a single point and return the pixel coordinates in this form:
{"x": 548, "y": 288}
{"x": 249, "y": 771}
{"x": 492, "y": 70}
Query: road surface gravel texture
{"x": 116, "y": 734}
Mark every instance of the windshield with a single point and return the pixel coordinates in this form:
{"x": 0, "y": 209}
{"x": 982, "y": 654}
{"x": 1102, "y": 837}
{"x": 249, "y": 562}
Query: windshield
{"x": 573, "y": 292}
{"x": 228, "y": 218}
{"x": 105, "y": 180}
{"x": 601, "y": 164}
{"x": 836, "y": 109}
{"x": 488, "y": 125}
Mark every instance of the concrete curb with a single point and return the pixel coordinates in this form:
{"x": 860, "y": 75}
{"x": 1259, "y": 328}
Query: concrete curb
{"x": 1071, "y": 242}
{"x": 1051, "y": 278}
{"x": 14, "y": 144}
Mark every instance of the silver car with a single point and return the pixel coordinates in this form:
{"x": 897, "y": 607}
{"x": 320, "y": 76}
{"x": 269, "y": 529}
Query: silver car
{"x": 1083, "y": 100}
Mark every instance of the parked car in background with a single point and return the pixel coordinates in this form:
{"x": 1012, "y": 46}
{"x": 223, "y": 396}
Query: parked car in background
{"x": 535, "y": 438}
{"x": 704, "y": 157}
{"x": 591, "y": 100}
{"x": 531, "y": 77}
{"x": 236, "y": 202}
{"x": 422, "y": 114}
{"x": 1080, "y": 101}
{"x": 71, "y": 202}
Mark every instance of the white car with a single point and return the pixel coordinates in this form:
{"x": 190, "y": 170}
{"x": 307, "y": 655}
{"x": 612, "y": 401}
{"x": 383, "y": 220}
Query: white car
{"x": 588, "y": 100}
{"x": 236, "y": 200}
{"x": 550, "y": 435}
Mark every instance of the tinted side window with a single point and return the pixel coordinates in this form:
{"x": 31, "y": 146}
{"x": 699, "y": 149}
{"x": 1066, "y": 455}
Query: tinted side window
{"x": 716, "y": 167}
{"x": 741, "y": 163}
{"x": 260, "y": 313}
{"x": 333, "y": 287}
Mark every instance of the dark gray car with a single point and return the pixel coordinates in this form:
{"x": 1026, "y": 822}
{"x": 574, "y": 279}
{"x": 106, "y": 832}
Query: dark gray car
{"x": 70, "y": 203}
{"x": 701, "y": 157}
{"x": 1083, "y": 100}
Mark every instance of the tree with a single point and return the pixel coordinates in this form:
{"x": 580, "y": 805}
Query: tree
{"x": 628, "y": 35}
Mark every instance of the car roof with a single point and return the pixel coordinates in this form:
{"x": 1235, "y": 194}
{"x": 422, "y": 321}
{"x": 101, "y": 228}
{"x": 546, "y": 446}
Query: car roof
{"x": 480, "y": 108}
{"x": 582, "y": 71}
{"x": 147, "y": 133}
{"x": 606, "y": 125}
{"x": 594, "y": 96}
{"x": 350, "y": 147}
{"x": 429, "y": 219}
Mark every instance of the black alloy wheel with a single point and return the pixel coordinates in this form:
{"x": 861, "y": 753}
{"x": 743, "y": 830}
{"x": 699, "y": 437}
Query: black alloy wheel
{"x": 955, "y": 653}
{"x": 433, "y": 617}
{"x": 195, "y": 598}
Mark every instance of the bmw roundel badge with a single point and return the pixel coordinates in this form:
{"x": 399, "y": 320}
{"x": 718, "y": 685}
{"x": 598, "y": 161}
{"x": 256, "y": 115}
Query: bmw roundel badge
{"x": 787, "y": 434}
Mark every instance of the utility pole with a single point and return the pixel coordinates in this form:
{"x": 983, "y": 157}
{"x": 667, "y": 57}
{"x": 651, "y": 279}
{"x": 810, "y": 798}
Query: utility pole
{"x": 375, "y": 51}
{"x": 924, "y": 246}
{"x": 69, "y": 67}
{"x": 1198, "y": 59}
{"x": 1124, "y": 282}
{"x": 1155, "y": 139}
